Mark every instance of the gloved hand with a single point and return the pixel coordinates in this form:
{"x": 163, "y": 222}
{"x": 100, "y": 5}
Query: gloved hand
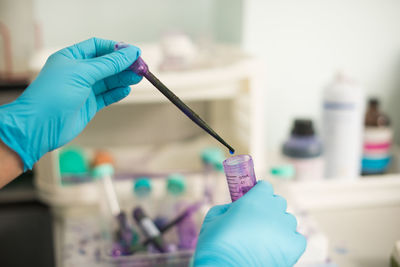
{"x": 255, "y": 230}
{"x": 75, "y": 83}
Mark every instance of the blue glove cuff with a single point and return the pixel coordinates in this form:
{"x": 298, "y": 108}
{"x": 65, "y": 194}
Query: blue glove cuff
{"x": 13, "y": 137}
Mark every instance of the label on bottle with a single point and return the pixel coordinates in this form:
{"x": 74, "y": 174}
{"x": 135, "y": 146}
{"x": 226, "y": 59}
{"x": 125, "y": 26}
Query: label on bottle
{"x": 308, "y": 169}
{"x": 149, "y": 227}
{"x": 377, "y": 146}
{"x": 342, "y": 138}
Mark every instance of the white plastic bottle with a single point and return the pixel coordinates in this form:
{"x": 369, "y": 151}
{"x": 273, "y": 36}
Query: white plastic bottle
{"x": 343, "y": 113}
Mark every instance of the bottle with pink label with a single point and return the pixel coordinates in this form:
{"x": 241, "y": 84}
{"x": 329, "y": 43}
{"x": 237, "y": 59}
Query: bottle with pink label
{"x": 377, "y": 140}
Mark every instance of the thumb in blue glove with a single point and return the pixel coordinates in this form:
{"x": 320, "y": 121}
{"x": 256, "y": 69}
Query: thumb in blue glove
{"x": 75, "y": 83}
{"x": 255, "y": 230}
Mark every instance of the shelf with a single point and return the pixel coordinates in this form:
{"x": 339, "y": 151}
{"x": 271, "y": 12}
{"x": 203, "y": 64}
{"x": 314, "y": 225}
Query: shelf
{"x": 372, "y": 191}
{"x": 221, "y": 79}
{"x": 215, "y": 83}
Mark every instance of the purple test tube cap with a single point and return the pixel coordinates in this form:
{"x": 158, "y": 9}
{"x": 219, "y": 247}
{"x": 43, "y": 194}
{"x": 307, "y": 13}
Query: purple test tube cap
{"x": 139, "y": 66}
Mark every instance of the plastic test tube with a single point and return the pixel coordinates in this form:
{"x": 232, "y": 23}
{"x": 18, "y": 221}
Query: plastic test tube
{"x": 239, "y": 171}
{"x": 189, "y": 211}
{"x": 127, "y": 236}
{"x": 149, "y": 228}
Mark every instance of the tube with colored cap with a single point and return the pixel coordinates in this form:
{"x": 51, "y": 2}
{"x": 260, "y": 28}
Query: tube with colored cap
{"x": 127, "y": 237}
{"x": 149, "y": 228}
{"x": 141, "y": 68}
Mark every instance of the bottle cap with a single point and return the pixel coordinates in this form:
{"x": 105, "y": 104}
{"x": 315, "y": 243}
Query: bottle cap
{"x": 283, "y": 171}
{"x": 102, "y": 170}
{"x": 176, "y": 184}
{"x": 213, "y": 156}
{"x": 373, "y": 102}
{"x": 142, "y": 186}
{"x": 102, "y": 157}
{"x": 303, "y": 127}
{"x": 73, "y": 161}
{"x": 138, "y": 214}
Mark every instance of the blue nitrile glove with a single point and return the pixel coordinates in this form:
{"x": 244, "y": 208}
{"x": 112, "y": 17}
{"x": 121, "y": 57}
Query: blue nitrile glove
{"x": 75, "y": 83}
{"x": 255, "y": 230}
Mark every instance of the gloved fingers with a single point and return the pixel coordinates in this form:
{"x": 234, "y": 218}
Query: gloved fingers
{"x": 124, "y": 78}
{"x": 93, "y": 47}
{"x": 259, "y": 196}
{"x": 111, "y": 96}
{"x": 103, "y": 47}
{"x": 296, "y": 249}
{"x": 261, "y": 191}
{"x": 100, "y": 87}
{"x": 112, "y": 63}
{"x": 290, "y": 221}
{"x": 280, "y": 203}
{"x": 216, "y": 211}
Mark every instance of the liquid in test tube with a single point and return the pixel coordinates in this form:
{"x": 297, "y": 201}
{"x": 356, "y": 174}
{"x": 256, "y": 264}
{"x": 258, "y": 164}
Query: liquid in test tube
{"x": 239, "y": 171}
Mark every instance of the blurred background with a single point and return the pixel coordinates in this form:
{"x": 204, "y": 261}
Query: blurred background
{"x": 309, "y": 89}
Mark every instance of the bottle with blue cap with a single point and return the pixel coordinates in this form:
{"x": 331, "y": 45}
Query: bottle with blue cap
{"x": 73, "y": 163}
{"x": 213, "y": 157}
{"x": 176, "y": 189}
{"x": 126, "y": 238}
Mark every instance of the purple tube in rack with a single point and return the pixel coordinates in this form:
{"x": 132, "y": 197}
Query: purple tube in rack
{"x": 239, "y": 171}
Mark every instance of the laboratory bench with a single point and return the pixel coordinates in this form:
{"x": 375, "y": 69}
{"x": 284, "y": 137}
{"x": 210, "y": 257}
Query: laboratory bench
{"x": 360, "y": 218}
{"x": 354, "y": 223}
